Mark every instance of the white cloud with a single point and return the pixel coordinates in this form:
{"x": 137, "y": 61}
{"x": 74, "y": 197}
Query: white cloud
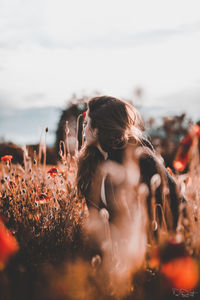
{"x": 55, "y": 48}
{"x": 67, "y": 23}
{"x": 161, "y": 68}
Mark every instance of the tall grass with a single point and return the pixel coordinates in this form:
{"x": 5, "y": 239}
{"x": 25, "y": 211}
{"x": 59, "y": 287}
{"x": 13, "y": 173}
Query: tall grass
{"x": 86, "y": 257}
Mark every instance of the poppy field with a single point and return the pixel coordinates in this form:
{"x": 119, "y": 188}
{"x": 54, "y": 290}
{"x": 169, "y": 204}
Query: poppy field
{"x": 51, "y": 249}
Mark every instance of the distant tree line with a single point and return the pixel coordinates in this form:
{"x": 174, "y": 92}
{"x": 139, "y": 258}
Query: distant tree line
{"x": 165, "y": 137}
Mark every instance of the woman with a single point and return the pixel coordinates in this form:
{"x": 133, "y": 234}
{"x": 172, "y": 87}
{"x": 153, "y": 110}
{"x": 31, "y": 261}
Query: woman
{"x": 111, "y": 127}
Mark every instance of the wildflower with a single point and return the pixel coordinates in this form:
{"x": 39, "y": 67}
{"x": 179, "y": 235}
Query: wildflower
{"x": 182, "y": 272}
{"x": 170, "y": 171}
{"x": 8, "y": 244}
{"x": 183, "y": 153}
{"x": 179, "y": 165}
{"x": 53, "y": 172}
{"x": 178, "y": 267}
{"x": 42, "y": 199}
{"x": 6, "y": 158}
{"x": 84, "y": 114}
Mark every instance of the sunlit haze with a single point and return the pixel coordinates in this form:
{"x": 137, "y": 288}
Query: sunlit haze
{"x": 52, "y": 49}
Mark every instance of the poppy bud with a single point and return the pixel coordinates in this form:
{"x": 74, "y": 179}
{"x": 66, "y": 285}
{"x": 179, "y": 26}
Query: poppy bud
{"x": 84, "y": 115}
{"x": 53, "y": 172}
{"x": 6, "y": 158}
{"x": 8, "y": 244}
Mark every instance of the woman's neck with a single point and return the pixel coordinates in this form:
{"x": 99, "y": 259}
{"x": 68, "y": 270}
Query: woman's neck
{"x": 105, "y": 154}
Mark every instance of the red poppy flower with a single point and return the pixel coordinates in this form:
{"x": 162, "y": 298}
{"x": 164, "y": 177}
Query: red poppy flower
{"x": 179, "y": 165}
{"x": 53, "y": 172}
{"x": 170, "y": 171}
{"x": 6, "y": 158}
{"x": 8, "y": 244}
{"x": 84, "y": 114}
{"x": 177, "y": 266}
{"x": 42, "y": 199}
{"x": 181, "y": 272}
{"x": 182, "y": 156}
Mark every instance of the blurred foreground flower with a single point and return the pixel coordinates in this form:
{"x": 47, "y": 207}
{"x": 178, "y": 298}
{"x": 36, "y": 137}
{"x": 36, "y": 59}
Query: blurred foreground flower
{"x": 182, "y": 157}
{"x": 180, "y": 165}
{"x": 8, "y": 245}
{"x": 180, "y": 269}
{"x": 6, "y": 158}
{"x": 181, "y": 272}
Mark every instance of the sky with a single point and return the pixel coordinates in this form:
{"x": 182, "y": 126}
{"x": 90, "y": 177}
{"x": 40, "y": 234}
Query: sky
{"x": 50, "y": 49}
